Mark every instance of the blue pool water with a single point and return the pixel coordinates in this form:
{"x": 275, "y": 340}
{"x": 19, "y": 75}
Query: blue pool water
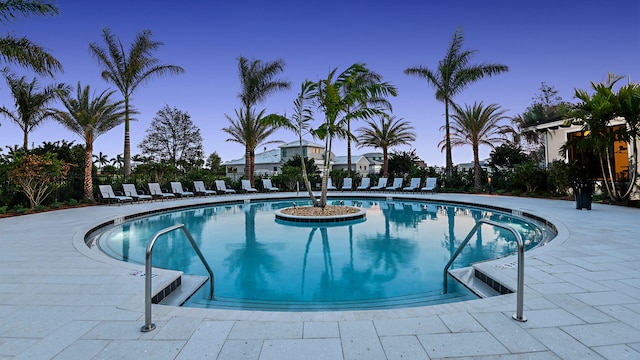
{"x": 395, "y": 258}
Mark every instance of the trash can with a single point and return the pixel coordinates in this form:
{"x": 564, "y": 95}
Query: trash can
{"x": 583, "y": 192}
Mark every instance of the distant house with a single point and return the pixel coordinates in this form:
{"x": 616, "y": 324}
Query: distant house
{"x": 484, "y": 165}
{"x": 269, "y": 162}
{"x": 359, "y": 164}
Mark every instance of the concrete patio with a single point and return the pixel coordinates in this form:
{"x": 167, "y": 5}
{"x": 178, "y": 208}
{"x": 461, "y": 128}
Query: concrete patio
{"x": 61, "y": 300}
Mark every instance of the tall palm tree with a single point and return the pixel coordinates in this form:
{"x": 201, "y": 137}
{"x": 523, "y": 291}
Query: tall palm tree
{"x": 129, "y": 70}
{"x": 31, "y": 103}
{"x": 249, "y": 129}
{"x": 257, "y": 81}
{"x": 379, "y": 89}
{"x": 20, "y": 50}
{"x": 453, "y": 75}
{"x": 387, "y": 133}
{"x": 89, "y": 118}
{"x": 478, "y": 125}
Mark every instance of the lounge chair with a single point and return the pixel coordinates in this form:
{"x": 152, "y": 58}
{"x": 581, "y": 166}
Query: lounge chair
{"x": 382, "y": 183}
{"x": 200, "y": 189}
{"x": 246, "y": 186}
{"x": 176, "y": 188}
{"x": 414, "y": 186}
{"x": 431, "y": 185}
{"x": 222, "y": 187}
{"x": 365, "y": 184}
{"x": 268, "y": 186}
{"x": 106, "y": 191}
{"x": 130, "y": 190}
{"x": 330, "y": 185}
{"x": 156, "y": 192}
{"x": 397, "y": 185}
{"x": 347, "y": 184}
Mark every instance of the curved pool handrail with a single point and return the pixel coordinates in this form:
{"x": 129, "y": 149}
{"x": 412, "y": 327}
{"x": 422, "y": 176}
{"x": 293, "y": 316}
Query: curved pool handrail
{"x": 148, "y": 326}
{"x": 520, "y": 291}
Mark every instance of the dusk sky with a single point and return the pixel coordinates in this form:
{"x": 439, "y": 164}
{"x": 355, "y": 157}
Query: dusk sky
{"x": 566, "y": 44}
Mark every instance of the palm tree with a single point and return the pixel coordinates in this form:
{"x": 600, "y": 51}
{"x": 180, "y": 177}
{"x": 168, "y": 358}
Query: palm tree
{"x": 342, "y": 102}
{"x": 478, "y": 125}
{"x": 451, "y": 77}
{"x": 256, "y": 82}
{"x": 387, "y": 133}
{"x": 31, "y": 104}
{"x": 20, "y": 50}
{"x": 249, "y": 129}
{"x": 129, "y": 70}
{"x": 372, "y": 80}
{"x": 90, "y": 118}
{"x": 299, "y": 123}
{"x": 101, "y": 159}
{"x": 596, "y": 112}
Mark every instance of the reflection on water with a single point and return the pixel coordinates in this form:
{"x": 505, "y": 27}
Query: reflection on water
{"x": 399, "y": 251}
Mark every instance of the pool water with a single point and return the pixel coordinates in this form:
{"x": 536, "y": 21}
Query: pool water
{"x": 395, "y": 258}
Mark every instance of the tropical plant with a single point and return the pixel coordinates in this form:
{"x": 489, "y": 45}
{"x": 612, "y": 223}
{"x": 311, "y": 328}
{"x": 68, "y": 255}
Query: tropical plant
{"x": 340, "y": 107}
{"x": 300, "y": 124}
{"x": 31, "y": 103}
{"x": 477, "y": 125}
{"x": 127, "y": 71}
{"x": 172, "y": 137}
{"x": 388, "y": 132}
{"x": 250, "y": 130}
{"x": 89, "y": 118}
{"x": 596, "y": 112}
{"x": 376, "y": 98}
{"x": 452, "y": 76}
{"x": 257, "y": 81}
{"x": 38, "y": 175}
{"x": 101, "y": 159}
{"x": 20, "y": 50}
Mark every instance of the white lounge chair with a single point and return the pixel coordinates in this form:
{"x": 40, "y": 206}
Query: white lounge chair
{"x": 130, "y": 190}
{"x": 176, "y": 188}
{"x": 246, "y": 186}
{"x": 365, "y": 184}
{"x": 330, "y": 185}
{"x": 156, "y": 192}
{"x": 431, "y": 185}
{"x": 414, "y": 186}
{"x": 397, "y": 185}
{"x": 200, "y": 189}
{"x": 347, "y": 184}
{"x": 382, "y": 183}
{"x": 106, "y": 191}
{"x": 268, "y": 186}
{"x": 222, "y": 187}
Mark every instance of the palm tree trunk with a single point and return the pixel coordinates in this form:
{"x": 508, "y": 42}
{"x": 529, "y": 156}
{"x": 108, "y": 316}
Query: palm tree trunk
{"x": 449, "y": 159}
{"x": 349, "y": 148}
{"x": 247, "y": 163}
{"x": 88, "y": 168}
{"x": 385, "y": 162}
{"x": 476, "y": 168}
{"x": 25, "y": 140}
{"x": 127, "y": 140}
{"x": 305, "y": 177}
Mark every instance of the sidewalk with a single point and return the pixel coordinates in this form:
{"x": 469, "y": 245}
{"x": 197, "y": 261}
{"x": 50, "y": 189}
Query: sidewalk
{"x": 62, "y": 300}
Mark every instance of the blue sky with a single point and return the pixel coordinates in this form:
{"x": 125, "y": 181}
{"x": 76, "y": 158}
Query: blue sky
{"x": 566, "y": 44}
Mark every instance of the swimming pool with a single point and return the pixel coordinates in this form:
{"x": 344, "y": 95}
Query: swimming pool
{"x": 395, "y": 258}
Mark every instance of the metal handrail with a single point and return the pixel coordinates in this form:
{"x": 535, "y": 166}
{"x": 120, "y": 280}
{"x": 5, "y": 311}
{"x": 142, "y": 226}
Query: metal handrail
{"x": 148, "y": 326}
{"x": 520, "y": 291}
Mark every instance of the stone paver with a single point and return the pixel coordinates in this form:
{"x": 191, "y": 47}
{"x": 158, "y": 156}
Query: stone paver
{"x": 60, "y": 299}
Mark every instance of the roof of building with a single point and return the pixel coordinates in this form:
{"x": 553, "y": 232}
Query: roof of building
{"x": 304, "y": 143}
{"x": 342, "y": 160}
{"x": 267, "y": 157}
